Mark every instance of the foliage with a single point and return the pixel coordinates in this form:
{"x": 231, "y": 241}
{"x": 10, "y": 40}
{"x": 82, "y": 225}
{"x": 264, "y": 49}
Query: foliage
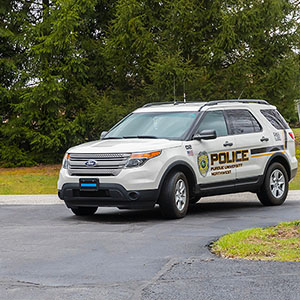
{"x": 72, "y": 68}
{"x": 280, "y": 242}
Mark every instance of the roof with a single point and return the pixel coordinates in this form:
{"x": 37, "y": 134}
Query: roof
{"x": 171, "y": 106}
{"x": 195, "y": 106}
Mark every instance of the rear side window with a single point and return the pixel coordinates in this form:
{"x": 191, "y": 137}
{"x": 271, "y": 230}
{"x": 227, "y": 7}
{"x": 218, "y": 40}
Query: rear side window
{"x": 275, "y": 118}
{"x": 242, "y": 121}
{"x": 214, "y": 120}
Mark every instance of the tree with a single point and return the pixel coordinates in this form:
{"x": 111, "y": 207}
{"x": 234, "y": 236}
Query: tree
{"x": 12, "y": 57}
{"x": 55, "y": 92}
{"x": 216, "y": 49}
{"x": 71, "y": 68}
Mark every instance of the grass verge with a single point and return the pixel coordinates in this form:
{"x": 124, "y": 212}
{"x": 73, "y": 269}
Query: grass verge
{"x": 295, "y": 184}
{"x": 281, "y": 243}
{"x": 33, "y": 180}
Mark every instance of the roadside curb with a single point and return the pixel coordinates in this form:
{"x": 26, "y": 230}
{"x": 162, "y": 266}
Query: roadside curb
{"x": 30, "y": 199}
{"x": 51, "y": 199}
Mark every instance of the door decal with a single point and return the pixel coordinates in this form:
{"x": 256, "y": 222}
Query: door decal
{"x": 203, "y": 163}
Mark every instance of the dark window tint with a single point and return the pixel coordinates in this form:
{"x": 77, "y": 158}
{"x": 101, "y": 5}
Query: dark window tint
{"x": 275, "y": 118}
{"x": 214, "y": 120}
{"x": 242, "y": 121}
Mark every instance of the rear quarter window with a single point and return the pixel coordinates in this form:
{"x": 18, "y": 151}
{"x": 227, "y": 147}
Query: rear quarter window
{"x": 275, "y": 118}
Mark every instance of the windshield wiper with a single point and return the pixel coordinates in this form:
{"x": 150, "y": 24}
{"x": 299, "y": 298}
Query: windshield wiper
{"x": 112, "y": 138}
{"x": 140, "y": 137}
{"x": 147, "y": 137}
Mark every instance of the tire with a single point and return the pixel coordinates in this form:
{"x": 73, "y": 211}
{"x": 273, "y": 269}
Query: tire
{"x": 275, "y": 187}
{"x": 84, "y": 211}
{"x": 174, "y": 196}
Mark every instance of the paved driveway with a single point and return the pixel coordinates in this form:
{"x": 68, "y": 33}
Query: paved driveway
{"x": 47, "y": 253}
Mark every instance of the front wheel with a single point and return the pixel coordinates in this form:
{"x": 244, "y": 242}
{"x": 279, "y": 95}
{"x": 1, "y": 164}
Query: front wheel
{"x": 84, "y": 211}
{"x": 275, "y": 187}
{"x": 174, "y": 197}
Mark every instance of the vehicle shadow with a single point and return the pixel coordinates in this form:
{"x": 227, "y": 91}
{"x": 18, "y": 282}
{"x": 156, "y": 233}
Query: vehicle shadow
{"x": 122, "y": 216}
{"x": 200, "y": 208}
{"x": 115, "y": 216}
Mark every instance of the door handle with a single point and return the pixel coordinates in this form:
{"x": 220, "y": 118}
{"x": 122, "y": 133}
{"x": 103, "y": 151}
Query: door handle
{"x": 227, "y": 144}
{"x": 264, "y": 139}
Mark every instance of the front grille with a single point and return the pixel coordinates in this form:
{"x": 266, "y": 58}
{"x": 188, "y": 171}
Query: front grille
{"x": 107, "y": 164}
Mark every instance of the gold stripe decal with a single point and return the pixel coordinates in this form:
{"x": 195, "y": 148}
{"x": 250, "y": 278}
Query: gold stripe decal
{"x": 260, "y": 155}
{"x": 271, "y": 153}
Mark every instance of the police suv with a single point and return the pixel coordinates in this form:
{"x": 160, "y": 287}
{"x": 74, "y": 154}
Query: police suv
{"x": 172, "y": 154}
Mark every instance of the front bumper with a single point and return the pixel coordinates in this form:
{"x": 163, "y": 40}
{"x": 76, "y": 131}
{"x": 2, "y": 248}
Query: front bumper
{"x": 111, "y": 195}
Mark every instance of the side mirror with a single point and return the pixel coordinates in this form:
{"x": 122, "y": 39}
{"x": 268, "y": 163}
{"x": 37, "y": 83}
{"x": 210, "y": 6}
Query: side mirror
{"x": 103, "y": 134}
{"x": 205, "y": 135}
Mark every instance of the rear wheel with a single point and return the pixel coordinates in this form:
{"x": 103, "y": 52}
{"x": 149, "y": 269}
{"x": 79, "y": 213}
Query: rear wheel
{"x": 84, "y": 211}
{"x": 174, "y": 197}
{"x": 275, "y": 187}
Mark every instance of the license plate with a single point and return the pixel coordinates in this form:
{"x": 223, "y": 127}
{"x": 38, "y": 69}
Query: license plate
{"x": 89, "y": 184}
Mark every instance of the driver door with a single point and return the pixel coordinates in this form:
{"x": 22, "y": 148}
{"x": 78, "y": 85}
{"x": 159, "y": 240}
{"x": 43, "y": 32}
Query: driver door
{"x": 214, "y": 158}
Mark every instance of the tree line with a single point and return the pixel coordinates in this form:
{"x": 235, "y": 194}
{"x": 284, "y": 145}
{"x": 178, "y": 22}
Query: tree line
{"x": 72, "y": 68}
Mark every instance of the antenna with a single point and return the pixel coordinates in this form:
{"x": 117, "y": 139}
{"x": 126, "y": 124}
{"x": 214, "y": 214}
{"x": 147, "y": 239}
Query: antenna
{"x": 184, "y": 99}
{"x": 174, "y": 89}
{"x": 241, "y": 94}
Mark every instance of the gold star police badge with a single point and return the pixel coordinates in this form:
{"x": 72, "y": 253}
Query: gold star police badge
{"x": 203, "y": 163}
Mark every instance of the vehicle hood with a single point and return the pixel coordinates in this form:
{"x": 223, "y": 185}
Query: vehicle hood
{"x": 125, "y": 146}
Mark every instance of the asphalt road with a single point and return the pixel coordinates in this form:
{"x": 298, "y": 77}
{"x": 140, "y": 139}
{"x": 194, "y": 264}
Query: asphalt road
{"x": 47, "y": 253}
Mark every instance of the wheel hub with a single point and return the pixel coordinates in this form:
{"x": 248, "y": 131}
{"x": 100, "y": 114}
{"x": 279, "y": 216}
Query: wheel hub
{"x": 180, "y": 194}
{"x": 277, "y": 183}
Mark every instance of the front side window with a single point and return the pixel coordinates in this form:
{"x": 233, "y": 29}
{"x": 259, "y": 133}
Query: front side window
{"x": 168, "y": 125}
{"x": 275, "y": 118}
{"x": 214, "y": 120}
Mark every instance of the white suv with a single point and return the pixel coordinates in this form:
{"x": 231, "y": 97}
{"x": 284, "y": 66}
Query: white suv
{"x": 172, "y": 154}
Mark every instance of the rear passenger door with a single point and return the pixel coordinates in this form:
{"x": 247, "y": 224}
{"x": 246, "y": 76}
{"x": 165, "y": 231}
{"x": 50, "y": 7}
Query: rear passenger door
{"x": 251, "y": 142}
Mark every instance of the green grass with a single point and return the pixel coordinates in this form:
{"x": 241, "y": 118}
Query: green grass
{"x": 34, "y": 180}
{"x": 281, "y": 242}
{"x": 295, "y": 184}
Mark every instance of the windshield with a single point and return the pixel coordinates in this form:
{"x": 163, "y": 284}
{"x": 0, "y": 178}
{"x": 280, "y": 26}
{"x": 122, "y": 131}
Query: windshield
{"x": 169, "y": 125}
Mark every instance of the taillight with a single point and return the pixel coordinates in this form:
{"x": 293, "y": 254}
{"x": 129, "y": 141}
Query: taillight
{"x": 291, "y": 135}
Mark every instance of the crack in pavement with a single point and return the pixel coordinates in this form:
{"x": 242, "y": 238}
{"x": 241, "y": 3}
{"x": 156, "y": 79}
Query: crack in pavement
{"x": 167, "y": 267}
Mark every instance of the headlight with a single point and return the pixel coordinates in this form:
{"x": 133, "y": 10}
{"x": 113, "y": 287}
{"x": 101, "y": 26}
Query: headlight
{"x": 138, "y": 159}
{"x": 65, "y": 162}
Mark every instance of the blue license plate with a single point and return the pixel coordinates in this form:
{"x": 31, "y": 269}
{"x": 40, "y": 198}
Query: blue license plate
{"x": 89, "y": 184}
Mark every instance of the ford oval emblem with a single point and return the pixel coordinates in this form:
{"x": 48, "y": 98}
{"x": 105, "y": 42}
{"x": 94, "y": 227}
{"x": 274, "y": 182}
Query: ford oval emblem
{"x": 91, "y": 163}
